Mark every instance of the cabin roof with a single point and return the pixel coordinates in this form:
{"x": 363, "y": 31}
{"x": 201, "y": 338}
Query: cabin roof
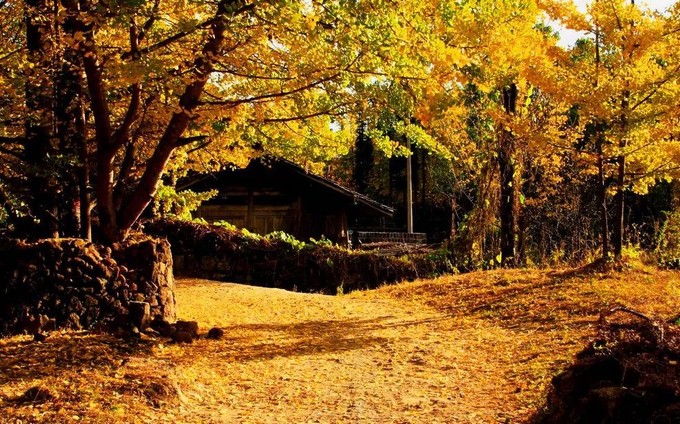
{"x": 293, "y": 168}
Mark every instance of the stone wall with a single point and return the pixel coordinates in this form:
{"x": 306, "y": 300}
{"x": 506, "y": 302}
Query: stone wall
{"x": 149, "y": 264}
{"x": 73, "y": 283}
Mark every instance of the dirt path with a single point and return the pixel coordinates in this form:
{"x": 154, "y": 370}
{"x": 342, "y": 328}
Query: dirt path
{"x": 473, "y": 348}
{"x": 291, "y": 357}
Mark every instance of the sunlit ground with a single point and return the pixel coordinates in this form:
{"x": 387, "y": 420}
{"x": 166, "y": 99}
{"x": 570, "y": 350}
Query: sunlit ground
{"x": 478, "y": 347}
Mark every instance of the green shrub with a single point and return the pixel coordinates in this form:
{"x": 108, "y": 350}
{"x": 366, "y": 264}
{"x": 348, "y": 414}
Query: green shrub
{"x": 169, "y": 203}
{"x": 668, "y": 241}
{"x": 283, "y": 237}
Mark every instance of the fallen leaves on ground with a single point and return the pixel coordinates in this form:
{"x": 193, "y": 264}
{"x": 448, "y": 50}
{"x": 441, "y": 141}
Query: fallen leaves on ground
{"x": 478, "y": 347}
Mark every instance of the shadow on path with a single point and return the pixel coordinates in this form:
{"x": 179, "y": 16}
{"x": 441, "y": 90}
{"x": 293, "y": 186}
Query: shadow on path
{"x": 253, "y": 342}
{"x": 25, "y": 360}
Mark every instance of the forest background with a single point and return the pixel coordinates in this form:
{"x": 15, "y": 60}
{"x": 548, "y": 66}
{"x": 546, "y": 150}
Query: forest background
{"x": 527, "y": 150}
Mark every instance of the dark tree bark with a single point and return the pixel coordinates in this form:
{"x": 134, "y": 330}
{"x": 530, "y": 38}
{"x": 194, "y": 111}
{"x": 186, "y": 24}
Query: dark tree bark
{"x": 506, "y": 162}
{"x": 39, "y": 144}
{"x": 363, "y": 159}
{"x": 602, "y": 191}
{"x": 619, "y": 198}
{"x": 71, "y": 133}
{"x": 117, "y": 216}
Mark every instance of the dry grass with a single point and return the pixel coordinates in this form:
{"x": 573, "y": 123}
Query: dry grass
{"x": 478, "y": 347}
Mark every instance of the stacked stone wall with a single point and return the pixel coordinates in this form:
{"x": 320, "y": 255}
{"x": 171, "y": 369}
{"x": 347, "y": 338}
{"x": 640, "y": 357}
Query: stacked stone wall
{"x": 73, "y": 283}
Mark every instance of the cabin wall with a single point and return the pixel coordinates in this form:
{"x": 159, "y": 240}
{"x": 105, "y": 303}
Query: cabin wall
{"x": 278, "y": 196}
{"x": 303, "y": 214}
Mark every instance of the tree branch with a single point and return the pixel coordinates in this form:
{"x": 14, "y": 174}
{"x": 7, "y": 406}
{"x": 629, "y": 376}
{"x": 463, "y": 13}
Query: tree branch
{"x": 189, "y": 101}
{"x": 12, "y": 53}
{"x": 252, "y": 76}
{"x": 180, "y": 35}
{"x": 657, "y": 87}
{"x": 149, "y": 23}
{"x": 269, "y": 96}
{"x": 183, "y": 141}
{"x": 10, "y": 152}
{"x": 325, "y": 112}
{"x": 122, "y": 134}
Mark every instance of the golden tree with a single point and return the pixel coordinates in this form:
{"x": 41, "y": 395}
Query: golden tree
{"x": 125, "y": 90}
{"x": 624, "y": 82}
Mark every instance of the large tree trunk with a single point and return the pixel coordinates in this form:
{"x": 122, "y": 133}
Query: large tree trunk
{"x": 72, "y": 139}
{"x": 39, "y": 148}
{"x": 115, "y": 222}
{"x": 506, "y": 162}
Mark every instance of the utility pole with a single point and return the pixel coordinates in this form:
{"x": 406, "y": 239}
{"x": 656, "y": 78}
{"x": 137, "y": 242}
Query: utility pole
{"x": 409, "y": 189}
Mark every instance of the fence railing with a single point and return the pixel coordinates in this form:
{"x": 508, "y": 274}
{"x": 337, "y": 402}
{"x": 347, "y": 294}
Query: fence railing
{"x": 390, "y": 237}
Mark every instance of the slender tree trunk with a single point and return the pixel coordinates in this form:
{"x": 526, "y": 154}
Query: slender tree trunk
{"x": 602, "y": 194}
{"x": 521, "y": 236}
{"x": 619, "y": 198}
{"x": 423, "y": 176}
{"x": 363, "y": 159}
{"x": 506, "y": 161}
{"x": 599, "y": 141}
{"x": 84, "y": 176}
{"x": 452, "y": 232}
{"x": 619, "y": 207}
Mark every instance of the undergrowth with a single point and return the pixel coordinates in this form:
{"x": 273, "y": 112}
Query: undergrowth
{"x": 225, "y": 252}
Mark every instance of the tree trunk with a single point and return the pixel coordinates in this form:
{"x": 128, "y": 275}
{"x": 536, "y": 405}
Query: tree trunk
{"x": 39, "y": 148}
{"x": 84, "y": 176}
{"x": 452, "y": 232}
{"x": 619, "y": 199}
{"x": 521, "y": 236}
{"x": 363, "y": 159}
{"x": 106, "y": 151}
{"x": 72, "y": 138}
{"x": 409, "y": 188}
{"x": 116, "y": 222}
{"x": 423, "y": 177}
{"x": 619, "y": 206}
{"x": 602, "y": 192}
{"x": 506, "y": 162}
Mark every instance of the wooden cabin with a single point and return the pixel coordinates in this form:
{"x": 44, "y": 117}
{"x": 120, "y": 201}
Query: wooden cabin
{"x": 278, "y": 195}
